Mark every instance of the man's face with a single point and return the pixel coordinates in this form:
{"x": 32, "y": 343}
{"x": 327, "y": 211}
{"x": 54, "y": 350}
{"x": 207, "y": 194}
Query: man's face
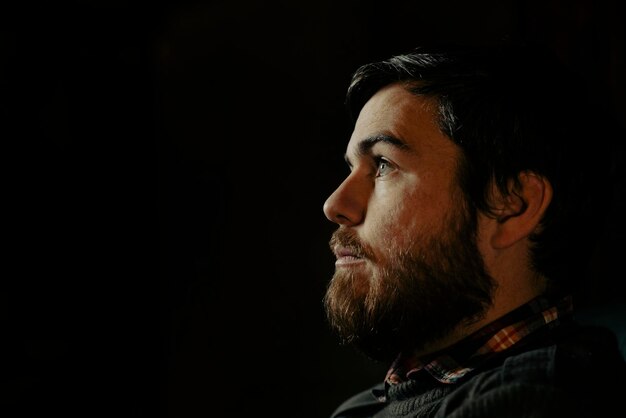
{"x": 408, "y": 270}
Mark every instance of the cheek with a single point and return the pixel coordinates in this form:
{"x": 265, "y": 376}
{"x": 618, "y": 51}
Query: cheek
{"x": 394, "y": 227}
{"x": 398, "y": 225}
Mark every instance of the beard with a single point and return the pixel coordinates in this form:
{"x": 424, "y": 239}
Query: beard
{"x": 417, "y": 296}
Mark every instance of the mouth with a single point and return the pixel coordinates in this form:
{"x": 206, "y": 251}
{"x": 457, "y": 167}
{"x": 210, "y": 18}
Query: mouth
{"x": 346, "y": 256}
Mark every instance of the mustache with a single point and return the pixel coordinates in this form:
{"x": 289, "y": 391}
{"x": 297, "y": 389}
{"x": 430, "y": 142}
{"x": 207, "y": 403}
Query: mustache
{"x": 347, "y": 238}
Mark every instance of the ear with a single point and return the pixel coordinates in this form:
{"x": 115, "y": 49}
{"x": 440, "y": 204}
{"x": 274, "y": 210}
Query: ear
{"x": 519, "y": 214}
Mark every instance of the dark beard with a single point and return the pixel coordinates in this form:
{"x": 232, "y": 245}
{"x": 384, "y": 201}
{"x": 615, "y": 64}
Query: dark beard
{"x": 419, "y": 298}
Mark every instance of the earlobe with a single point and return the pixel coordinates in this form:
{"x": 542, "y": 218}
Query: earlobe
{"x": 519, "y": 214}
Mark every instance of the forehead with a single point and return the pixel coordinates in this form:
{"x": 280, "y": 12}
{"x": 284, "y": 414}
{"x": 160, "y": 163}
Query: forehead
{"x": 411, "y": 118}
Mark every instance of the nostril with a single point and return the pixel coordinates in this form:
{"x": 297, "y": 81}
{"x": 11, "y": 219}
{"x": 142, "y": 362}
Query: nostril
{"x": 334, "y": 214}
{"x": 342, "y": 219}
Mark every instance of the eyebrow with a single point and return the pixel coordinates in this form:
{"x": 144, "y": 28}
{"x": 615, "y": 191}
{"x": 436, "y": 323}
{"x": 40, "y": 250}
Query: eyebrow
{"x": 366, "y": 144}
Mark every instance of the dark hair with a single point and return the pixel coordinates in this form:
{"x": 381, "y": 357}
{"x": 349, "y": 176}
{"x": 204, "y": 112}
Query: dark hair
{"x": 514, "y": 108}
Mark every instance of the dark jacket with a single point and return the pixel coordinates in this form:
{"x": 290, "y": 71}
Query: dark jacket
{"x": 577, "y": 372}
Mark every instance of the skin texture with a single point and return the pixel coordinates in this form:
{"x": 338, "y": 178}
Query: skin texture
{"x": 416, "y": 269}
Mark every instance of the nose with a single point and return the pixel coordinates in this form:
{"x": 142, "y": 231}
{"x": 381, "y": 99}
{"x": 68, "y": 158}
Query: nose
{"x": 346, "y": 205}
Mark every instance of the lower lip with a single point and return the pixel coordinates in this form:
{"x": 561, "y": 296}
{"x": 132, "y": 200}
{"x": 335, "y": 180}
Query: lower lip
{"x": 348, "y": 261}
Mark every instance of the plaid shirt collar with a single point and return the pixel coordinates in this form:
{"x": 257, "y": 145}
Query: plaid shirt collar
{"x": 452, "y": 363}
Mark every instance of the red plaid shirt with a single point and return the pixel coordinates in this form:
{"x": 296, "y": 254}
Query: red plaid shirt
{"x": 452, "y": 363}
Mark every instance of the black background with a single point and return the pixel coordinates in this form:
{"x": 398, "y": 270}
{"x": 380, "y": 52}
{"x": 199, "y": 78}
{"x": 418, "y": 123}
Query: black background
{"x": 165, "y": 166}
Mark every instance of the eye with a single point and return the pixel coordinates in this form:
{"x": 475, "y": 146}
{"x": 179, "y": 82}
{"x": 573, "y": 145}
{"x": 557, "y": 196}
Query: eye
{"x": 383, "y": 167}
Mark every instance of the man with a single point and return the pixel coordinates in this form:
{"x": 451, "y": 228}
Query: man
{"x": 466, "y": 223}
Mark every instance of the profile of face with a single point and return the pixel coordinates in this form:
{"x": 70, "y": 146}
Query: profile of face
{"x": 408, "y": 268}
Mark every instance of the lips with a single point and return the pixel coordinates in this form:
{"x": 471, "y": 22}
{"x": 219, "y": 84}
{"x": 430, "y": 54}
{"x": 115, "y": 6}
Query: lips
{"x": 345, "y": 252}
{"x": 346, "y": 255}
{"x": 347, "y": 247}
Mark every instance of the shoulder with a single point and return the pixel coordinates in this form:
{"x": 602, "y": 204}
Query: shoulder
{"x": 578, "y": 376}
{"x": 363, "y": 404}
{"x": 581, "y": 375}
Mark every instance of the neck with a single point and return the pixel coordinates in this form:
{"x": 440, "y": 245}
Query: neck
{"x": 505, "y": 300}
